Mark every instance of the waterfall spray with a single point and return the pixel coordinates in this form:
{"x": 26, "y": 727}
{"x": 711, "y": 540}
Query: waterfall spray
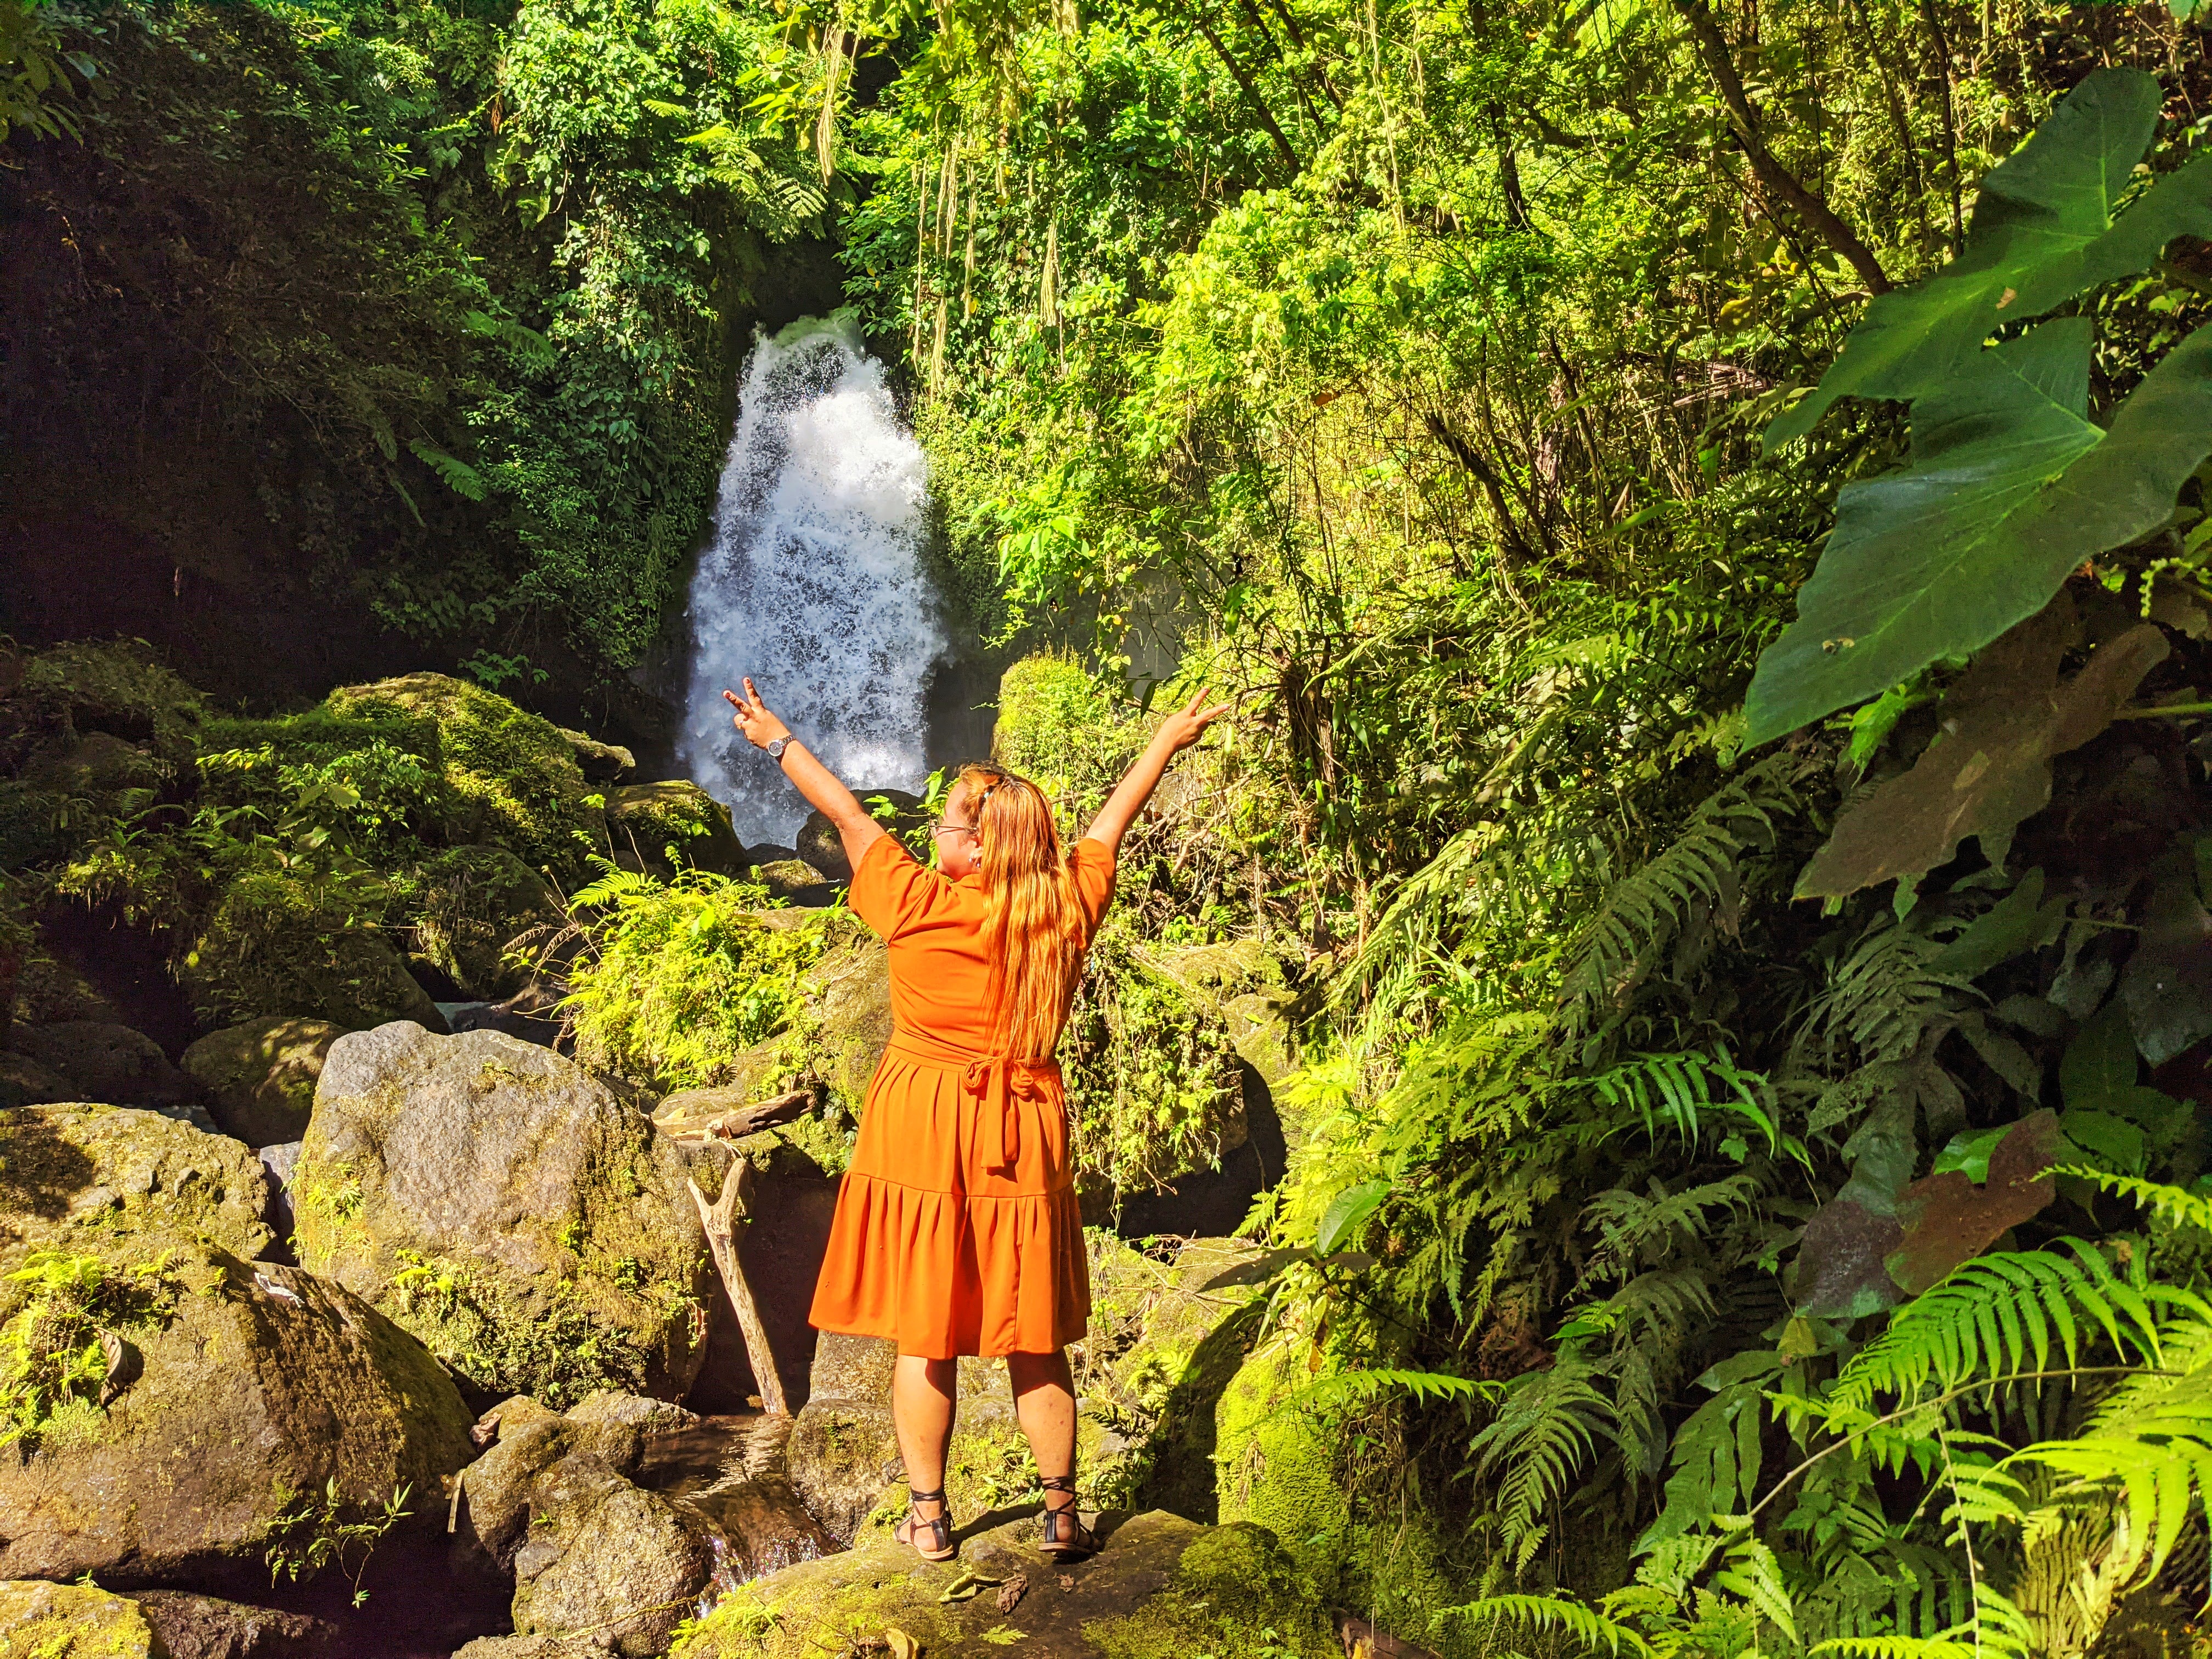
{"x": 813, "y": 583}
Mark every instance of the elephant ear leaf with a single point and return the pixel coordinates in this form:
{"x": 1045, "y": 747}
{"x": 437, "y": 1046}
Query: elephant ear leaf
{"x": 2011, "y": 488}
{"x": 2047, "y": 226}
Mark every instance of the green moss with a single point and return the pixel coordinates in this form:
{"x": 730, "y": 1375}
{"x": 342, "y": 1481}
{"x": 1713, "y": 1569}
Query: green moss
{"x": 119, "y": 687}
{"x": 71, "y": 1621}
{"x": 1278, "y": 1466}
{"x": 278, "y": 944}
{"x": 552, "y": 1349}
{"x": 514, "y": 776}
{"x": 1235, "y": 1595}
{"x": 470, "y": 903}
{"x": 671, "y": 825}
{"x": 1057, "y": 726}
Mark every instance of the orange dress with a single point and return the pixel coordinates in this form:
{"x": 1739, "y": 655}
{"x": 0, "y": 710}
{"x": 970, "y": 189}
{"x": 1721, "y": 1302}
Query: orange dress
{"x": 957, "y": 1228}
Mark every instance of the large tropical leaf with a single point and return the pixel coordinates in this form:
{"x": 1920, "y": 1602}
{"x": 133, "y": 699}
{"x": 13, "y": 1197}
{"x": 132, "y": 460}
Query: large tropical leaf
{"x": 2043, "y": 231}
{"x": 2010, "y": 488}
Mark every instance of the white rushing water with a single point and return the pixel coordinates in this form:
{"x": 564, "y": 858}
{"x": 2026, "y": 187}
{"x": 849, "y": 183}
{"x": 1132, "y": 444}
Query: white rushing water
{"x": 813, "y": 584}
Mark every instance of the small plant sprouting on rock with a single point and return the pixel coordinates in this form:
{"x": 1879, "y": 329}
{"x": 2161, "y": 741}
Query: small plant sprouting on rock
{"x": 310, "y": 1530}
{"x": 63, "y": 1355}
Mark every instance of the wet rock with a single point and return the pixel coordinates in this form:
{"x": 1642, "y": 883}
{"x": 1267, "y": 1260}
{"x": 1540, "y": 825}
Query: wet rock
{"x": 795, "y": 882}
{"x": 73, "y": 1621}
{"x": 260, "y": 1389}
{"x": 509, "y": 1209}
{"x": 108, "y": 1062}
{"x": 24, "y": 1082}
{"x": 259, "y": 1078}
{"x": 645, "y": 821}
{"x": 820, "y": 846}
{"x": 1160, "y": 1586}
{"x": 479, "y": 902}
{"x": 634, "y": 1411}
{"x": 122, "y": 1185}
{"x": 613, "y": 1567}
{"x": 599, "y": 762}
{"x": 194, "y": 1627}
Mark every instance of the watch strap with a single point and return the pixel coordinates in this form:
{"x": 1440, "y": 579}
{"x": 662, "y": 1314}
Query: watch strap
{"x": 775, "y": 748}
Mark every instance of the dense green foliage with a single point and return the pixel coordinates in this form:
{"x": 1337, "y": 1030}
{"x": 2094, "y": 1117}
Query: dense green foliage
{"x": 1678, "y": 1054}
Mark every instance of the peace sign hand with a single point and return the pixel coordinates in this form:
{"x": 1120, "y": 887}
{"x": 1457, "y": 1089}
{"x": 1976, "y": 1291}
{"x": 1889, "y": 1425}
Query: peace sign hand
{"x": 753, "y": 718}
{"x": 1188, "y": 724}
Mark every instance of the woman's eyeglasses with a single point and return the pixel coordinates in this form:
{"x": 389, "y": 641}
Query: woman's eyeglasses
{"x": 941, "y": 828}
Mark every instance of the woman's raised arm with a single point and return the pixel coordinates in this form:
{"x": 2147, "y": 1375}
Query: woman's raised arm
{"x": 856, "y": 828}
{"x": 1178, "y": 733}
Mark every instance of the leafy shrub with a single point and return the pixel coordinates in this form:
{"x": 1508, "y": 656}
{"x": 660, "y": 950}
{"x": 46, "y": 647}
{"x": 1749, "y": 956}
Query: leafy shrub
{"x": 677, "y": 976}
{"x": 60, "y": 1351}
{"x": 280, "y": 941}
{"x": 1057, "y": 727}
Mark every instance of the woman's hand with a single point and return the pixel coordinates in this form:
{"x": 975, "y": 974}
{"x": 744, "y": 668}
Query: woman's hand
{"x": 1188, "y": 724}
{"x": 753, "y": 718}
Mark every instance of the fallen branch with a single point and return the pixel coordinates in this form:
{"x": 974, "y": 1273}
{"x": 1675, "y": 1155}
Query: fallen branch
{"x": 725, "y": 1221}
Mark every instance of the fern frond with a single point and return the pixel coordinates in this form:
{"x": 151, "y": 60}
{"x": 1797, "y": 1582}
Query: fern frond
{"x": 2177, "y": 1206}
{"x": 1551, "y": 1613}
{"x": 460, "y": 477}
{"x": 1549, "y": 1422}
{"x": 1679, "y": 1087}
{"x": 1995, "y": 1314}
{"x": 1357, "y": 1388}
{"x": 1611, "y": 953}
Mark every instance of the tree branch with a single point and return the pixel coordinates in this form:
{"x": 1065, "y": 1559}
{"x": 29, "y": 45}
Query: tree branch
{"x": 1720, "y": 63}
{"x": 1252, "y": 95}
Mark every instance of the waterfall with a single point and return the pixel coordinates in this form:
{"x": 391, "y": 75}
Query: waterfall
{"x": 813, "y": 583}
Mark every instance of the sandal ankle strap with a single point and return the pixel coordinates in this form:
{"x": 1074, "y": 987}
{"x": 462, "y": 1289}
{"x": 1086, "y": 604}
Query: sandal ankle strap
{"x": 914, "y": 1497}
{"x": 1057, "y": 1482}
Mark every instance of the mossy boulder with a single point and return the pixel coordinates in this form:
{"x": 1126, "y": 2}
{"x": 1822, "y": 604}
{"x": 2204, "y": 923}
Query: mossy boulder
{"x": 850, "y": 993}
{"x": 122, "y": 1185}
{"x": 645, "y": 821}
{"x": 819, "y": 844}
{"x": 514, "y": 776}
{"x": 193, "y": 1626}
{"x": 118, "y": 688}
{"x": 1162, "y": 1588}
{"x": 104, "y": 1061}
{"x": 49, "y": 990}
{"x": 98, "y": 766}
{"x": 259, "y": 1078}
{"x": 472, "y": 903}
{"x": 258, "y": 1390}
{"x": 38, "y": 1620}
{"x": 795, "y": 881}
{"x": 276, "y": 944}
{"x": 493, "y": 1515}
{"x": 1242, "y": 981}
{"x": 607, "y": 1563}
{"x": 599, "y": 762}
{"x": 508, "y": 1208}
{"x": 1277, "y": 1464}
{"x": 24, "y": 1082}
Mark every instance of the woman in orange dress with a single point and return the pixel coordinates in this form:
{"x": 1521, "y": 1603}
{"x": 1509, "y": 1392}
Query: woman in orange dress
{"x": 957, "y": 1229}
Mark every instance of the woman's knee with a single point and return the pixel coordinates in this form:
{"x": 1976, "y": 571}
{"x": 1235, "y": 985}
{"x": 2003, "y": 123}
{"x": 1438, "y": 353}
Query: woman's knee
{"x": 920, "y": 1370}
{"x": 1038, "y": 1370}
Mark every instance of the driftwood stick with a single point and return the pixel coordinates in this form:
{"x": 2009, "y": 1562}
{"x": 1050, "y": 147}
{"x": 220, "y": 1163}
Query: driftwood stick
{"x": 743, "y": 1120}
{"x": 725, "y": 1221}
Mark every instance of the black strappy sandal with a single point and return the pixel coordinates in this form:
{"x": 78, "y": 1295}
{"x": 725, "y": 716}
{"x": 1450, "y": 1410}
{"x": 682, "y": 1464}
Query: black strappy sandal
{"x": 939, "y": 1526}
{"x": 1065, "y": 1534}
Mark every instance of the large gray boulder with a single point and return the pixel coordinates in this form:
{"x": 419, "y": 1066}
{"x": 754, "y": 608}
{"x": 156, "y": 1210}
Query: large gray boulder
{"x": 259, "y": 1078}
{"x": 506, "y": 1206}
{"x": 121, "y": 1185}
{"x": 194, "y": 1627}
{"x": 108, "y": 1062}
{"x": 242, "y": 1394}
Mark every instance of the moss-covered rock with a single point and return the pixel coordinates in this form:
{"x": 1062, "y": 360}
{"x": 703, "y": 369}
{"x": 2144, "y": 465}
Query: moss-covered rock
{"x": 672, "y": 824}
{"x": 118, "y": 688}
{"x": 1277, "y": 1464}
{"x": 515, "y": 777}
{"x": 1162, "y": 1588}
{"x": 850, "y": 999}
{"x": 795, "y": 881}
{"x": 259, "y": 1078}
{"x": 24, "y": 1082}
{"x": 506, "y": 1206}
{"x": 1241, "y": 982}
{"x": 108, "y": 1062}
{"x": 605, "y": 1563}
{"x": 599, "y": 762}
{"x": 259, "y": 1391}
{"x": 276, "y": 944}
{"x": 471, "y": 904}
{"x": 122, "y": 1186}
{"x": 38, "y": 1620}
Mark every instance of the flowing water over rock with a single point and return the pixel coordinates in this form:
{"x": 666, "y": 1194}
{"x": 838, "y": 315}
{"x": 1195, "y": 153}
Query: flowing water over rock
{"x": 813, "y": 584}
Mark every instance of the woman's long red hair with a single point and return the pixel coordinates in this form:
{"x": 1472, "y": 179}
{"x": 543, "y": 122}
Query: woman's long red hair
{"x": 1037, "y": 922}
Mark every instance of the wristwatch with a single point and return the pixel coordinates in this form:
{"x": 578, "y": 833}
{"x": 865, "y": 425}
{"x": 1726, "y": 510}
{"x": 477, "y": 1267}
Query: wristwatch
{"x": 776, "y": 747}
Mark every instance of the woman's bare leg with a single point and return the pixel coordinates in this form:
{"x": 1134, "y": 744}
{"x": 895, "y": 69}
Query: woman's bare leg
{"x": 922, "y": 1397}
{"x": 1044, "y": 1399}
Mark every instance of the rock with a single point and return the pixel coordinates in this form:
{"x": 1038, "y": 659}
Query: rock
{"x": 193, "y": 1626}
{"x": 493, "y": 1513}
{"x": 513, "y": 775}
{"x": 122, "y": 1185}
{"x": 796, "y": 882}
{"x": 506, "y": 1206}
{"x": 475, "y": 903}
{"x": 541, "y": 1029}
{"x": 843, "y": 1452}
{"x": 851, "y": 984}
{"x": 599, "y": 762}
{"x": 50, "y": 991}
{"x": 1259, "y": 1026}
{"x": 632, "y": 1410}
{"x": 279, "y": 1162}
{"x": 276, "y": 945}
{"x": 1241, "y": 982}
{"x": 259, "y": 1078}
{"x": 41, "y": 1621}
{"x": 820, "y": 846}
{"x": 517, "y": 1647}
{"x": 24, "y": 1082}
{"x": 116, "y": 687}
{"x": 645, "y": 821}
{"x": 509, "y": 1417}
{"x": 1162, "y": 1586}
{"x": 607, "y": 1561}
{"x": 257, "y": 1387}
{"x": 108, "y": 1063}
{"x": 99, "y": 764}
